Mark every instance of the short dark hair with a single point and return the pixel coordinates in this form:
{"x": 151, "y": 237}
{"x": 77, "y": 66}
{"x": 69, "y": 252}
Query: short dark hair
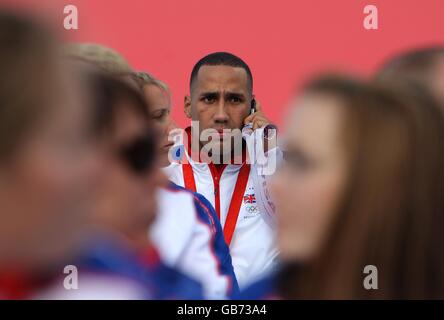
{"x": 414, "y": 66}
{"x": 222, "y": 59}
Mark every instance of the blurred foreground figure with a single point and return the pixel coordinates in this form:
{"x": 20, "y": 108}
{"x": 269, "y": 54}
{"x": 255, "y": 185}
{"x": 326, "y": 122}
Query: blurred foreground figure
{"x": 124, "y": 208}
{"x": 77, "y": 186}
{"x": 423, "y": 67}
{"x": 361, "y": 188}
{"x": 49, "y": 168}
{"x": 130, "y": 197}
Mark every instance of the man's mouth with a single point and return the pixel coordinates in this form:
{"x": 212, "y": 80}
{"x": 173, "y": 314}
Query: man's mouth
{"x": 223, "y": 134}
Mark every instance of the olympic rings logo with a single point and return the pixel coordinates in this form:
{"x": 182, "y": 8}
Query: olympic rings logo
{"x": 252, "y": 209}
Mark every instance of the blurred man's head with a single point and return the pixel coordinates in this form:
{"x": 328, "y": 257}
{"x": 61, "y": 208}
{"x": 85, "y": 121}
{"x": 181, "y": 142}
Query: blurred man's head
{"x": 221, "y": 90}
{"x": 424, "y": 67}
{"x": 126, "y": 203}
{"x": 48, "y": 164}
{"x": 101, "y": 56}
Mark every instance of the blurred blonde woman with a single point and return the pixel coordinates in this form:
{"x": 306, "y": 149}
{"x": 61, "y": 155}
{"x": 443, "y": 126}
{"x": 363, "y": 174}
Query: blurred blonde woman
{"x": 158, "y": 96}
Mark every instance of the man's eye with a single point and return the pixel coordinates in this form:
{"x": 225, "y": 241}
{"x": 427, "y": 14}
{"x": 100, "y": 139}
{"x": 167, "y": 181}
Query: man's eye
{"x": 209, "y": 100}
{"x": 235, "y": 100}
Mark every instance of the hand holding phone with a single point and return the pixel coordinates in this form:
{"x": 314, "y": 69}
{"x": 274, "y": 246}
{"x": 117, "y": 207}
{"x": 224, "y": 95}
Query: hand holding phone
{"x": 247, "y": 129}
{"x": 253, "y": 106}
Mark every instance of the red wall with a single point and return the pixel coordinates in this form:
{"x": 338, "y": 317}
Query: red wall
{"x": 283, "y": 41}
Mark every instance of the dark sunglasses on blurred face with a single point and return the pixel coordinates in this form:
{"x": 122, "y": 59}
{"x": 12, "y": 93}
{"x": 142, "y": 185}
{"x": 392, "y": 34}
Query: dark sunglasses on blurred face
{"x": 139, "y": 155}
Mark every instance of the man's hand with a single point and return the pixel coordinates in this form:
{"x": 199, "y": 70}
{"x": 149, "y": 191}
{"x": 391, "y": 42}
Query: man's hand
{"x": 258, "y": 118}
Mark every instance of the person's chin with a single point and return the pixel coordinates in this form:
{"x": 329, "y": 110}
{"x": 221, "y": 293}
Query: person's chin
{"x": 164, "y": 156}
{"x": 295, "y": 249}
{"x": 164, "y": 161}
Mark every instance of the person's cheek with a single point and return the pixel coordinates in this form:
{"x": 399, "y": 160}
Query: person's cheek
{"x": 157, "y": 126}
{"x": 156, "y": 179}
{"x": 280, "y": 187}
{"x": 276, "y": 186}
{"x": 307, "y": 199}
{"x": 171, "y": 124}
{"x": 315, "y": 210}
{"x": 205, "y": 116}
{"x": 90, "y": 172}
{"x": 291, "y": 202}
{"x": 284, "y": 193}
{"x": 237, "y": 115}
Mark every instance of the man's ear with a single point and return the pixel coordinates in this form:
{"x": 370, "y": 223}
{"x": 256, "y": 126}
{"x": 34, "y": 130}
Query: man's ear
{"x": 187, "y": 106}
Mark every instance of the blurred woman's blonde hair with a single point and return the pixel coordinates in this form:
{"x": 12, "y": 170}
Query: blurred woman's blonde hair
{"x": 145, "y": 78}
{"x": 101, "y": 56}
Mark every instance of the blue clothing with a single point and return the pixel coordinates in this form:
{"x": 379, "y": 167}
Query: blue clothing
{"x": 207, "y": 215}
{"x": 160, "y": 281}
{"x": 263, "y": 289}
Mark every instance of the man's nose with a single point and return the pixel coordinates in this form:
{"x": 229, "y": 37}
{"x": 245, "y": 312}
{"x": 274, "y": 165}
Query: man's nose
{"x": 221, "y": 115}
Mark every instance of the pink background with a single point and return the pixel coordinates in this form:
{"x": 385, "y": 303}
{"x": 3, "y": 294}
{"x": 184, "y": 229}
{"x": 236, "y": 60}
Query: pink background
{"x": 283, "y": 41}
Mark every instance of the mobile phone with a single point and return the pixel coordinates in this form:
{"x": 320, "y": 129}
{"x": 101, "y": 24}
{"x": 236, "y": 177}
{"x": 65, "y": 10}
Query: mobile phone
{"x": 253, "y": 106}
{"x": 248, "y": 128}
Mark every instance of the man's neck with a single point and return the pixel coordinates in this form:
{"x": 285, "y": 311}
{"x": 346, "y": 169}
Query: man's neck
{"x": 221, "y": 160}
{"x": 195, "y": 152}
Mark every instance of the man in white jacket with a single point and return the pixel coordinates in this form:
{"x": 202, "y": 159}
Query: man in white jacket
{"x": 186, "y": 231}
{"x": 221, "y": 100}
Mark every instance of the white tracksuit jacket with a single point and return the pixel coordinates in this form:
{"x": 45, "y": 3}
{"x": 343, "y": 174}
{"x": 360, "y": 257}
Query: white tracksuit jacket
{"x": 253, "y": 246}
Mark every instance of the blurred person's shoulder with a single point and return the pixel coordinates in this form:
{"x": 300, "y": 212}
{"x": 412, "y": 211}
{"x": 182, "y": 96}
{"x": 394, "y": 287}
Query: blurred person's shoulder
{"x": 265, "y": 288}
{"x": 171, "y": 284}
{"x": 203, "y": 208}
{"x": 107, "y": 270}
{"x": 174, "y": 224}
{"x": 96, "y": 286}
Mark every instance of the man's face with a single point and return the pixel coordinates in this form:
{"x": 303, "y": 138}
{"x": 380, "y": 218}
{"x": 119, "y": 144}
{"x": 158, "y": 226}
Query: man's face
{"x": 220, "y": 99}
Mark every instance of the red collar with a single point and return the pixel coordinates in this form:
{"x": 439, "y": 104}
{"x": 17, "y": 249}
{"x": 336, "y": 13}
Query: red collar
{"x": 150, "y": 257}
{"x": 16, "y": 285}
